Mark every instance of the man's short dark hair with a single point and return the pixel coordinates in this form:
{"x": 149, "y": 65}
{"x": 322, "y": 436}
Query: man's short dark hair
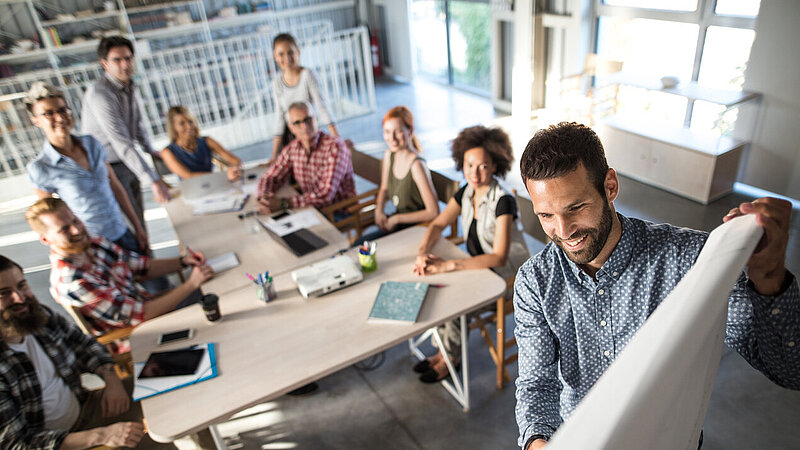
{"x": 493, "y": 140}
{"x": 7, "y": 264}
{"x": 107, "y": 43}
{"x": 558, "y": 149}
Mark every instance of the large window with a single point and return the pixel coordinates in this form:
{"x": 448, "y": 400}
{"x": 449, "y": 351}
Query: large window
{"x": 707, "y": 41}
{"x": 451, "y": 39}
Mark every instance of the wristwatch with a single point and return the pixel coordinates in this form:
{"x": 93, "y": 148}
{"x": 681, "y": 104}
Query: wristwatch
{"x": 183, "y": 263}
{"x": 284, "y": 203}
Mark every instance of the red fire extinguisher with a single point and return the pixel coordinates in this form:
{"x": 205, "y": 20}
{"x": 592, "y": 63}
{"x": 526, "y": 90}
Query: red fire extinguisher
{"x": 377, "y": 70}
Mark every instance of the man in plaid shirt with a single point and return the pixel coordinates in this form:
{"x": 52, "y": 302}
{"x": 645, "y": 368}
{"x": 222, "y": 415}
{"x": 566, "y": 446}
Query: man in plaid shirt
{"x": 101, "y": 278}
{"x": 319, "y": 162}
{"x": 42, "y": 403}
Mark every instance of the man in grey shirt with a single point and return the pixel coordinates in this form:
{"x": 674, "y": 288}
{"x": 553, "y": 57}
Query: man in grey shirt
{"x": 110, "y": 114}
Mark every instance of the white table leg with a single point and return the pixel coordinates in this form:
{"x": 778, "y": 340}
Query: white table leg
{"x": 459, "y": 388}
{"x": 218, "y": 441}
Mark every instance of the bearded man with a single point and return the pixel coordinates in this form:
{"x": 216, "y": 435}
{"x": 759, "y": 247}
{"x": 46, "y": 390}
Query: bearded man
{"x": 42, "y": 403}
{"x": 581, "y": 300}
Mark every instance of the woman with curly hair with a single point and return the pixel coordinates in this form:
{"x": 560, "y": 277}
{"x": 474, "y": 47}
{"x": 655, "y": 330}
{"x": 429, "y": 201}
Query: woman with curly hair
{"x": 488, "y": 214}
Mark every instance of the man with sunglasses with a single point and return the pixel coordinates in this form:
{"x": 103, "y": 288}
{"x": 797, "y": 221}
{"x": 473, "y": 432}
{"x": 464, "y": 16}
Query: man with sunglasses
{"x": 319, "y": 162}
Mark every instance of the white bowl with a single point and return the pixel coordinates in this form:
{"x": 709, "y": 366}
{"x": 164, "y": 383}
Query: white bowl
{"x": 669, "y": 82}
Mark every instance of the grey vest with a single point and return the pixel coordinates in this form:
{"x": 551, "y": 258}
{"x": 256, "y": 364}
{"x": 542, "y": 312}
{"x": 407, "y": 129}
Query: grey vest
{"x": 486, "y": 220}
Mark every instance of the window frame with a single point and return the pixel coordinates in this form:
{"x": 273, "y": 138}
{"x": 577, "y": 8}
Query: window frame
{"x": 704, "y": 17}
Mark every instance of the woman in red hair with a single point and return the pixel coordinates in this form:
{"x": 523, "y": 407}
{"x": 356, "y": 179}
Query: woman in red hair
{"x": 405, "y": 179}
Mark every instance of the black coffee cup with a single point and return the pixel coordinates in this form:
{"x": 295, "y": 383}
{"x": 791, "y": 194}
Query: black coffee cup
{"x": 210, "y": 304}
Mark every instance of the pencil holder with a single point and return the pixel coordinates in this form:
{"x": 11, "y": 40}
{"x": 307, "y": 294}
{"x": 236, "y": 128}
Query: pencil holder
{"x": 266, "y": 292}
{"x": 369, "y": 263}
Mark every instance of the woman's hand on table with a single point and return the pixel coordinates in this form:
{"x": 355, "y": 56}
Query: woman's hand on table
{"x": 234, "y": 173}
{"x": 430, "y": 264}
{"x": 199, "y": 275}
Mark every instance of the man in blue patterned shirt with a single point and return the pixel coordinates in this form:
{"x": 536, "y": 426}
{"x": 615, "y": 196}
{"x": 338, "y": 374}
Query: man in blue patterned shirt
{"x": 581, "y": 300}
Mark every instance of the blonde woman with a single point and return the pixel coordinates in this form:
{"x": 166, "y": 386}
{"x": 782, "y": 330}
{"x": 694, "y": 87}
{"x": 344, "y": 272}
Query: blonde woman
{"x": 189, "y": 154}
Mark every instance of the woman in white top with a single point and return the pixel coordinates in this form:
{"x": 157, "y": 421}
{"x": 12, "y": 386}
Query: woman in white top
{"x": 295, "y": 84}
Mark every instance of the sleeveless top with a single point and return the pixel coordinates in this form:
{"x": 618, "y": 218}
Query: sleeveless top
{"x": 403, "y": 192}
{"x": 197, "y": 161}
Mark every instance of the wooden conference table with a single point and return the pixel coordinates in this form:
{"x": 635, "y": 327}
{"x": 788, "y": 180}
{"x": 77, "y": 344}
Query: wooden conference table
{"x": 215, "y": 234}
{"x": 265, "y": 350}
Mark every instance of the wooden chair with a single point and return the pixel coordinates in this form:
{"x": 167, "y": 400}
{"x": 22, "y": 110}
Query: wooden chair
{"x": 498, "y": 347}
{"x": 446, "y": 187}
{"x": 123, "y": 362}
{"x": 361, "y": 208}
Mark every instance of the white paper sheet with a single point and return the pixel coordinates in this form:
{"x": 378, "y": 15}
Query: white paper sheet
{"x": 223, "y": 262}
{"x": 218, "y": 203}
{"x": 655, "y": 395}
{"x": 291, "y": 223}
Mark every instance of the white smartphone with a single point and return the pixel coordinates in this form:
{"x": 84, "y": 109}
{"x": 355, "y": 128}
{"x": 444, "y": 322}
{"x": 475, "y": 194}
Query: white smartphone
{"x": 175, "y": 336}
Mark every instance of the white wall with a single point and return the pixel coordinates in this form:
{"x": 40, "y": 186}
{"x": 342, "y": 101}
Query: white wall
{"x": 773, "y": 70}
{"x": 398, "y": 25}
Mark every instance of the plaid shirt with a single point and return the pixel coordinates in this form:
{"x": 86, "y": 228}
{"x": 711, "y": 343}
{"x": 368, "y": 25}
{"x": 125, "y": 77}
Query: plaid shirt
{"x": 325, "y": 176}
{"x": 100, "y": 282}
{"x": 21, "y": 413}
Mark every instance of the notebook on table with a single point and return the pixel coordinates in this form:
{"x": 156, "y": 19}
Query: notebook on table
{"x": 398, "y": 302}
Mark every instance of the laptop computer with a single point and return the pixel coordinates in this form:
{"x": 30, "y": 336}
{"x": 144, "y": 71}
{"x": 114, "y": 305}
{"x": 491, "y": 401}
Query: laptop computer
{"x": 205, "y": 185}
{"x": 327, "y": 276}
{"x": 300, "y": 242}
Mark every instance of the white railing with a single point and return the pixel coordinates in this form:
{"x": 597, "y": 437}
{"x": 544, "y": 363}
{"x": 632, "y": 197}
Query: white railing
{"x": 226, "y": 83}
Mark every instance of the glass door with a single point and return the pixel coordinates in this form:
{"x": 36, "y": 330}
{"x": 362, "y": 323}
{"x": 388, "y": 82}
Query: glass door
{"x": 451, "y": 39}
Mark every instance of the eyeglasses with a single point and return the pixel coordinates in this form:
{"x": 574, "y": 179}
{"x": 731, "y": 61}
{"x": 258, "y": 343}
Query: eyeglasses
{"x": 306, "y": 121}
{"x": 63, "y": 112}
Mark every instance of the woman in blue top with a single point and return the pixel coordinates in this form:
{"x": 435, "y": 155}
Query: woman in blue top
{"x": 76, "y": 168}
{"x": 189, "y": 154}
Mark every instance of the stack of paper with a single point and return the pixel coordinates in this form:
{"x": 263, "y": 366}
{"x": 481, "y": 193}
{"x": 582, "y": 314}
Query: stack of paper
{"x": 223, "y": 262}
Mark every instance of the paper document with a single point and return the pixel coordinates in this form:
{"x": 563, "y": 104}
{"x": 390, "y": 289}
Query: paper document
{"x": 218, "y": 203}
{"x": 655, "y": 395}
{"x": 291, "y": 223}
{"x": 148, "y": 387}
{"x": 223, "y": 262}
{"x": 250, "y": 188}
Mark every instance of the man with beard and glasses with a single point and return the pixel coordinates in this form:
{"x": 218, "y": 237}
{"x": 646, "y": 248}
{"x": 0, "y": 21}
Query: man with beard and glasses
{"x": 101, "y": 278}
{"x": 42, "y": 403}
{"x": 581, "y": 300}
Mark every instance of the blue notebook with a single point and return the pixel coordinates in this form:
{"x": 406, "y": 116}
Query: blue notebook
{"x": 398, "y": 301}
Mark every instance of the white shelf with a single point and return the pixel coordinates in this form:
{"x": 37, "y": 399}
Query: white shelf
{"x": 84, "y": 18}
{"x": 702, "y": 142}
{"x": 690, "y": 90}
{"x": 156, "y": 7}
{"x": 33, "y": 55}
{"x": 170, "y": 31}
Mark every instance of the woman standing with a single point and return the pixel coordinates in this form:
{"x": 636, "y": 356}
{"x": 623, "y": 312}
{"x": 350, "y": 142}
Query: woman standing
{"x": 295, "y": 84}
{"x": 77, "y": 169}
{"x": 189, "y": 154}
{"x": 488, "y": 214}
